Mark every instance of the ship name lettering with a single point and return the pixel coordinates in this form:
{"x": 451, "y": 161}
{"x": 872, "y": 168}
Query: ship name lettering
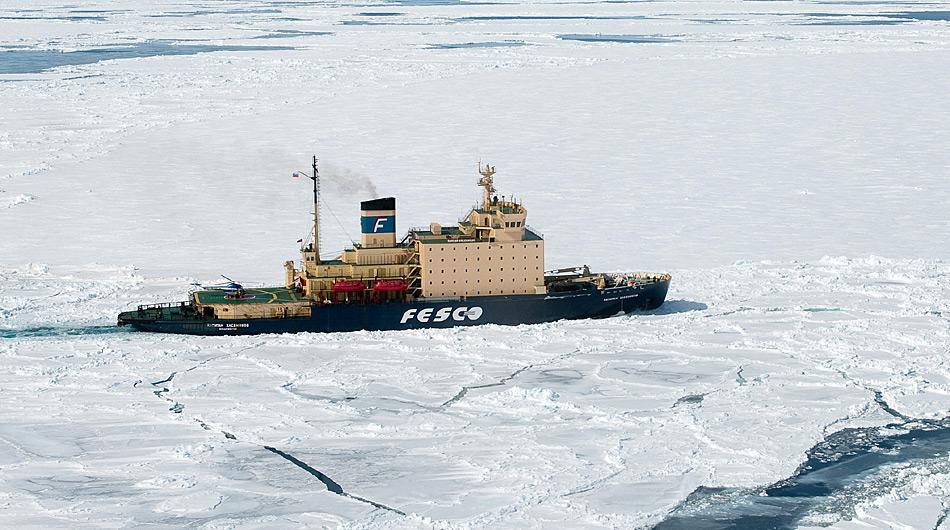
{"x": 458, "y": 314}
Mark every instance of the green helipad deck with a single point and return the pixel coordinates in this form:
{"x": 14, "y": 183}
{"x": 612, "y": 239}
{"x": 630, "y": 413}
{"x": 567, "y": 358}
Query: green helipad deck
{"x": 264, "y": 295}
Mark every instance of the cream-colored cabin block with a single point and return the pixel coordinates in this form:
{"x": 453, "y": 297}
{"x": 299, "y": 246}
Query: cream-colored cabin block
{"x": 508, "y": 234}
{"x": 375, "y": 256}
{"x": 482, "y": 268}
{"x": 500, "y": 226}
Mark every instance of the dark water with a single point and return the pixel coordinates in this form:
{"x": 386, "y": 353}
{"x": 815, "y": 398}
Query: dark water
{"x": 291, "y": 33}
{"x": 427, "y": 2}
{"x": 550, "y": 17}
{"x": 873, "y": 3}
{"x": 844, "y": 459}
{"x": 874, "y": 19}
{"x": 490, "y": 44}
{"x": 22, "y": 61}
{"x": 375, "y": 23}
{"x": 856, "y": 23}
{"x": 53, "y": 331}
{"x": 205, "y": 12}
{"x": 442, "y": 3}
{"x": 920, "y": 15}
{"x": 630, "y": 39}
{"x": 71, "y": 18}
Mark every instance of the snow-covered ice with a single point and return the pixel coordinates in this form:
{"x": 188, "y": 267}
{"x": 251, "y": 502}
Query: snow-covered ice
{"x": 785, "y": 161}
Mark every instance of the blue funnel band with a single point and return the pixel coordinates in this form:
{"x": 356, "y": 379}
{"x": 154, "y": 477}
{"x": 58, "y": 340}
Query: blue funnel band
{"x": 378, "y": 224}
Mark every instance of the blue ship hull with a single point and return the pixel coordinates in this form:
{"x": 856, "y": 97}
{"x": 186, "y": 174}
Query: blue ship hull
{"x": 471, "y": 311}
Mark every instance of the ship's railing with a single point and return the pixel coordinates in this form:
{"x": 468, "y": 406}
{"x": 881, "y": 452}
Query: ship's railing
{"x": 535, "y": 230}
{"x": 269, "y": 312}
{"x": 636, "y": 278}
{"x": 146, "y": 307}
{"x": 167, "y": 311}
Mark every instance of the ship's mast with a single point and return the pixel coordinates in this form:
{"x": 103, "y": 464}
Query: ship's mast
{"x": 316, "y": 212}
{"x": 488, "y": 183}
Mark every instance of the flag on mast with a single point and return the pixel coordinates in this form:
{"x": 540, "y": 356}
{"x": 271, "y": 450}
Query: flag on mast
{"x": 296, "y": 174}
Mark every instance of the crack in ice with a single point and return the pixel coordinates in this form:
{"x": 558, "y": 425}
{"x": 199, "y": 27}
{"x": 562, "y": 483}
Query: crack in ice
{"x": 942, "y": 518}
{"x": 327, "y": 481}
{"x": 504, "y": 380}
{"x": 330, "y": 484}
{"x": 879, "y": 399}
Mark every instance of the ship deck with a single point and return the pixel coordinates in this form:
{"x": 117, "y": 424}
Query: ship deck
{"x": 263, "y": 295}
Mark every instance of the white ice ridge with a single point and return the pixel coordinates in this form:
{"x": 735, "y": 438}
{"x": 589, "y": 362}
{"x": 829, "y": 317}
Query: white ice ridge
{"x": 609, "y": 422}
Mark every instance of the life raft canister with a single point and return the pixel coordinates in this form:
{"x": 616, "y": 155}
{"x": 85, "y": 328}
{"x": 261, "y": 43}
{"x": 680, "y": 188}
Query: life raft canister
{"x": 389, "y": 286}
{"x": 347, "y": 286}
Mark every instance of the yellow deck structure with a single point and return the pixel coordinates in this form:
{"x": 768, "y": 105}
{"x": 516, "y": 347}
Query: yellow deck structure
{"x": 490, "y": 252}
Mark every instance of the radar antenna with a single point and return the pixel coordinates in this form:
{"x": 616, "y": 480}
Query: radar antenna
{"x": 488, "y": 183}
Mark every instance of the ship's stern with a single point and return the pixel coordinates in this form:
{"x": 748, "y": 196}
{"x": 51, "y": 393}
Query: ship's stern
{"x": 146, "y": 316}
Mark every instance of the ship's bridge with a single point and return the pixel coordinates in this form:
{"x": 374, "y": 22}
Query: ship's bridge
{"x": 490, "y": 252}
